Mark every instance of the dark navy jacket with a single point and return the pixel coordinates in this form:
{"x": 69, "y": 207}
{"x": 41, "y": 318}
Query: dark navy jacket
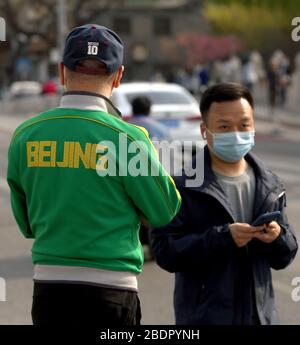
{"x": 213, "y": 276}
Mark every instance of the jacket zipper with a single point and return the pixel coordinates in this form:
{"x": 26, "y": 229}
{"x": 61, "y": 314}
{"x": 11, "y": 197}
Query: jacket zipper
{"x": 264, "y": 204}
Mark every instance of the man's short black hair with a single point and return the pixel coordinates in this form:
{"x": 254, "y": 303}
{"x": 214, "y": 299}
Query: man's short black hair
{"x": 141, "y": 106}
{"x": 224, "y": 92}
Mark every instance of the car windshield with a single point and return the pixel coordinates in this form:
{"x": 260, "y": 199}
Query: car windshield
{"x": 161, "y": 97}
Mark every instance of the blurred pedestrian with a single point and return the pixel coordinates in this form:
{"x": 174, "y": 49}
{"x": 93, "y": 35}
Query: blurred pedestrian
{"x": 141, "y": 108}
{"x": 248, "y": 73}
{"x": 258, "y": 64}
{"x": 157, "y": 77}
{"x": 230, "y": 69}
{"x": 203, "y": 75}
{"x": 216, "y": 71}
{"x": 223, "y": 263}
{"x": 273, "y": 85}
{"x": 85, "y": 224}
{"x": 284, "y": 71}
{"x": 279, "y": 78}
{"x": 294, "y": 91}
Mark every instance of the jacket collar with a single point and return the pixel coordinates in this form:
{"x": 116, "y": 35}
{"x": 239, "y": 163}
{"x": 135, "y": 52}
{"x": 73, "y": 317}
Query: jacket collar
{"x": 88, "y": 101}
{"x": 261, "y": 171}
{"x": 267, "y": 183}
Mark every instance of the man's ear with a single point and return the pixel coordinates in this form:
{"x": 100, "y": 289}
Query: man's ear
{"x": 203, "y": 130}
{"x": 119, "y": 74}
{"x": 61, "y": 68}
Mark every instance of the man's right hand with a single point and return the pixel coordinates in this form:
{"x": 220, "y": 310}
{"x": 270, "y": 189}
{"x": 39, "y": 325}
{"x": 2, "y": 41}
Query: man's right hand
{"x": 243, "y": 233}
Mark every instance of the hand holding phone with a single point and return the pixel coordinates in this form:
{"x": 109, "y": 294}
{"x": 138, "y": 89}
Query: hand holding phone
{"x": 266, "y": 218}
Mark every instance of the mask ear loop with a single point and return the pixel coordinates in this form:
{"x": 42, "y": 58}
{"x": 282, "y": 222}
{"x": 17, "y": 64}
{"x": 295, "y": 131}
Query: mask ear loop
{"x": 203, "y": 131}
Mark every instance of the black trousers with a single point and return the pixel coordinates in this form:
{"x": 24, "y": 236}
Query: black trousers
{"x": 64, "y": 303}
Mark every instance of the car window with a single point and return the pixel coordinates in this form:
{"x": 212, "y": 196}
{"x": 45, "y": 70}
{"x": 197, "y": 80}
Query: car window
{"x": 161, "y": 97}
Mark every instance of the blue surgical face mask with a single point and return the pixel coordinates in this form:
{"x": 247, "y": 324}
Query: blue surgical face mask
{"x": 232, "y": 146}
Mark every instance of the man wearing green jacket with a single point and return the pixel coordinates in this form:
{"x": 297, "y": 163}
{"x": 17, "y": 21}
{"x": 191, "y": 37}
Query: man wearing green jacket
{"x": 75, "y": 191}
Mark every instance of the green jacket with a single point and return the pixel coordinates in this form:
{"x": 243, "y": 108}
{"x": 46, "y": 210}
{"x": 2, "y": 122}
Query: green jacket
{"x": 63, "y": 198}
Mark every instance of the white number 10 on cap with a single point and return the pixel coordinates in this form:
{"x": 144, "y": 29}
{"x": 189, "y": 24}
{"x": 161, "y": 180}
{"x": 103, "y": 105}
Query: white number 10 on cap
{"x": 92, "y": 50}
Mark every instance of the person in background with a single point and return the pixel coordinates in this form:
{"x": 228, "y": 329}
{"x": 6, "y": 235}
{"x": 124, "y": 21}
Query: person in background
{"x": 141, "y": 109}
{"x": 248, "y": 73}
{"x": 273, "y": 86}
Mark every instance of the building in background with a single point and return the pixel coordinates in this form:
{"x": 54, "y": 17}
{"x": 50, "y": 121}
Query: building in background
{"x": 161, "y": 36}
{"x": 150, "y": 30}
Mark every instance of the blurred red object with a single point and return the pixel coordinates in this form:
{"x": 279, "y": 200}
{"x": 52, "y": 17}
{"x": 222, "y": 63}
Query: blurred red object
{"x": 50, "y": 87}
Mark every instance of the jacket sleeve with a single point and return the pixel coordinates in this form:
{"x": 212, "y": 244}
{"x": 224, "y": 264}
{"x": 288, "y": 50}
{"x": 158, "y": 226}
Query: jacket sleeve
{"x": 17, "y": 195}
{"x": 281, "y": 252}
{"x": 177, "y": 250}
{"x": 151, "y": 189}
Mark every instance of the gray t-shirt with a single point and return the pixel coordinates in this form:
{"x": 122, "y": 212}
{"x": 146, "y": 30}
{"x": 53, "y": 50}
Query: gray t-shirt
{"x": 240, "y": 191}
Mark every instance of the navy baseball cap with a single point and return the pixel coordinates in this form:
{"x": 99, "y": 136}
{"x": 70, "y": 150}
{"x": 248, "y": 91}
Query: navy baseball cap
{"x": 92, "y": 41}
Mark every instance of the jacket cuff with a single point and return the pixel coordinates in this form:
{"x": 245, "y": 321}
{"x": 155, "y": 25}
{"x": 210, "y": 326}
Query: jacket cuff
{"x": 227, "y": 239}
{"x": 279, "y": 241}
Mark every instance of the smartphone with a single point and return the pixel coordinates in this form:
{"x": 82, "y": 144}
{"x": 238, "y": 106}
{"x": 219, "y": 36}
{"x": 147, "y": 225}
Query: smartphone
{"x": 266, "y": 218}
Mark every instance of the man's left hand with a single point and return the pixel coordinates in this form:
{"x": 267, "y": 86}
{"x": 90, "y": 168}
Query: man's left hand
{"x": 270, "y": 233}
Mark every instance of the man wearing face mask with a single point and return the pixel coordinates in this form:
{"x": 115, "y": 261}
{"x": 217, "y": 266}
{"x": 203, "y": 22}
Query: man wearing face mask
{"x": 85, "y": 222}
{"x": 222, "y": 263}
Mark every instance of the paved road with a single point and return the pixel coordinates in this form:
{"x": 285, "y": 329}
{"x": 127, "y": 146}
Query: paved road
{"x": 156, "y": 286}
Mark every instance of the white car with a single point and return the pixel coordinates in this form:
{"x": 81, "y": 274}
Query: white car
{"x": 25, "y": 89}
{"x": 172, "y": 105}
